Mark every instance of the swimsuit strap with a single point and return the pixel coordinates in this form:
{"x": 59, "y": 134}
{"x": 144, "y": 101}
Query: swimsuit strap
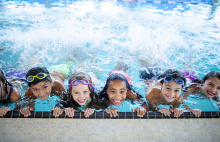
{"x": 10, "y": 91}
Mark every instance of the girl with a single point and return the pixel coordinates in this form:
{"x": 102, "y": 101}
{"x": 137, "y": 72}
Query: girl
{"x": 167, "y": 93}
{"x": 8, "y": 95}
{"x": 209, "y": 87}
{"x": 116, "y": 91}
{"x": 81, "y": 95}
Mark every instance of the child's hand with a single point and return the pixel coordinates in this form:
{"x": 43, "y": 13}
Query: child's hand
{"x": 88, "y": 112}
{"x": 4, "y": 110}
{"x": 26, "y": 111}
{"x": 177, "y": 112}
{"x": 57, "y": 111}
{"x": 165, "y": 111}
{"x": 112, "y": 112}
{"x": 140, "y": 111}
{"x": 196, "y": 112}
{"x": 69, "y": 112}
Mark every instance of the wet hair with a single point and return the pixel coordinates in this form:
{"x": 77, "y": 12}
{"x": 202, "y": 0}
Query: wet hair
{"x": 80, "y": 76}
{"x": 2, "y": 80}
{"x": 116, "y": 76}
{"x": 211, "y": 75}
{"x": 174, "y": 73}
{"x": 34, "y": 71}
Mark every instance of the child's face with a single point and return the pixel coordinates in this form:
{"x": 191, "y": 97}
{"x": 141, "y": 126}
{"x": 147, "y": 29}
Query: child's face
{"x": 42, "y": 89}
{"x": 170, "y": 90}
{"x": 80, "y": 93}
{"x": 211, "y": 87}
{"x": 117, "y": 92}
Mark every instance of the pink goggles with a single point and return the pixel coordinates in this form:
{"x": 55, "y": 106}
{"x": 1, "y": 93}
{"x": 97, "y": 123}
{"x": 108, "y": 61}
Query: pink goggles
{"x": 83, "y": 81}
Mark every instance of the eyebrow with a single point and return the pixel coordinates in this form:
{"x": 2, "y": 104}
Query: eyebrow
{"x": 115, "y": 89}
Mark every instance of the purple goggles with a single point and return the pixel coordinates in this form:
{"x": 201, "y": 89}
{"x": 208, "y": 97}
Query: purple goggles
{"x": 83, "y": 81}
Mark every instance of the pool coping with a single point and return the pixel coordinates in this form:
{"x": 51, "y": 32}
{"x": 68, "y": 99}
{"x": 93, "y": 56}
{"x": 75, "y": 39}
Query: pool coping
{"x": 104, "y": 115}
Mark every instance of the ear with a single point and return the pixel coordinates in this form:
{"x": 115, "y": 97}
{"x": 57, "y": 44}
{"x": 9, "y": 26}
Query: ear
{"x": 161, "y": 85}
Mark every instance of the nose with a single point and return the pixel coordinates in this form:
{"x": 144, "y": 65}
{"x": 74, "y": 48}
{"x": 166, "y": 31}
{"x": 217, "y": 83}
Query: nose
{"x": 81, "y": 96}
{"x": 41, "y": 93}
{"x": 172, "y": 94}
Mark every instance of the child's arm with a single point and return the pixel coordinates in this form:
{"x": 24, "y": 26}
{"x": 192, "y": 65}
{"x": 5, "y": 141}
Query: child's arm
{"x": 153, "y": 98}
{"x": 58, "y": 88}
{"x": 177, "y": 112}
{"x": 196, "y": 112}
{"x": 132, "y": 95}
{"x": 189, "y": 91}
{"x": 29, "y": 103}
{"x": 14, "y": 97}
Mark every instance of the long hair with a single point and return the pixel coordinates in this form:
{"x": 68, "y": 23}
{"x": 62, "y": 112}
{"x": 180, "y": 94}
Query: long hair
{"x": 116, "y": 76}
{"x": 4, "y": 89}
{"x": 80, "y": 76}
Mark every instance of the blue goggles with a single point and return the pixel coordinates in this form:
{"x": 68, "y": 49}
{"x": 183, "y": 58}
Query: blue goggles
{"x": 169, "y": 78}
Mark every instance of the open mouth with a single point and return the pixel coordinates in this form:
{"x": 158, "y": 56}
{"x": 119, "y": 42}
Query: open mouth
{"x": 117, "y": 101}
{"x": 210, "y": 93}
{"x": 82, "y": 101}
{"x": 168, "y": 97}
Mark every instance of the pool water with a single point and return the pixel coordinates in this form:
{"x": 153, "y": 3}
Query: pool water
{"x": 167, "y": 35}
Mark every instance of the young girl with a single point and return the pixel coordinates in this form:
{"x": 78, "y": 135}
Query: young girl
{"x": 116, "y": 91}
{"x": 81, "y": 95}
{"x": 167, "y": 93}
{"x": 209, "y": 87}
{"x": 9, "y": 95}
{"x": 44, "y": 86}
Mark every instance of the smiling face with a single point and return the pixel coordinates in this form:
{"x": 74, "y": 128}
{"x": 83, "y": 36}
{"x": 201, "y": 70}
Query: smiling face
{"x": 170, "y": 91}
{"x": 211, "y": 87}
{"x": 80, "y": 93}
{"x": 42, "y": 89}
{"x": 117, "y": 92}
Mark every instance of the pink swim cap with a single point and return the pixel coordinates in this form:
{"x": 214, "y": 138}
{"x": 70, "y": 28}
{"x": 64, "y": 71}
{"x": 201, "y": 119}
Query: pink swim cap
{"x": 128, "y": 77}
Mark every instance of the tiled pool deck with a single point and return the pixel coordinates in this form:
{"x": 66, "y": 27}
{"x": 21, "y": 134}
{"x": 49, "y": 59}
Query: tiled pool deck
{"x": 112, "y": 130}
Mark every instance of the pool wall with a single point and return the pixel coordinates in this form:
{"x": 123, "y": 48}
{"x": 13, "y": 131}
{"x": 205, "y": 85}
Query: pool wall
{"x": 104, "y": 115}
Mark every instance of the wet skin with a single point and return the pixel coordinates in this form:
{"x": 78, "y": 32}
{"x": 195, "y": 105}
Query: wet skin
{"x": 117, "y": 92}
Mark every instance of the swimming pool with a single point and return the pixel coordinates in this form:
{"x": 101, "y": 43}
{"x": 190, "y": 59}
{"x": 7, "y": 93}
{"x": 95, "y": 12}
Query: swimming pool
{"x": 167, "y": 35}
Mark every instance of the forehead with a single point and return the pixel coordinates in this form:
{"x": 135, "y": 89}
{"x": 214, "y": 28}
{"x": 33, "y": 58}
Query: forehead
{"x": 40, "y": 84}
{"x": 79, "y": 87}
{"x": 117, "y": 84}
{"x": 172, "y": 84}
{"x": 214, "y": 80}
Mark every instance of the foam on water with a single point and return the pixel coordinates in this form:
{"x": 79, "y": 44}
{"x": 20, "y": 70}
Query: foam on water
{"x": 184, "y": 37}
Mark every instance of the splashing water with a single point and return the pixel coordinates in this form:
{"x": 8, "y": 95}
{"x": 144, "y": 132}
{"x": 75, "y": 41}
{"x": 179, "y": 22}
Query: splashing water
{"x": 180, "y": 36}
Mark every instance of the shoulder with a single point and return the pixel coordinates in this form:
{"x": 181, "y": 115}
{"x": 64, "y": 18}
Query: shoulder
{"x": 15, "y": 94}
{"x": 154, "y": 92}
{"x": 178, "y": 100}
{"x": 58, "y": 86}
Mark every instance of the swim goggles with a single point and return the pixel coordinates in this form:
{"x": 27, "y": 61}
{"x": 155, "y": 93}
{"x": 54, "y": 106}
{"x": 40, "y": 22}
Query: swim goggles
{"x": 83, "y": 81}
{"x": 169, "y": 78}
{"x": 38, "y": 76}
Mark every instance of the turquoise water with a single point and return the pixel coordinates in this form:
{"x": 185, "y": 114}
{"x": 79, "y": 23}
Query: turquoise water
{"x": 166, "y": 35}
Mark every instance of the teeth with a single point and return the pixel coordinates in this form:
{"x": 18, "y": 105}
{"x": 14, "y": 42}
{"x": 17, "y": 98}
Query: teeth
{"x": 117, "y": 101}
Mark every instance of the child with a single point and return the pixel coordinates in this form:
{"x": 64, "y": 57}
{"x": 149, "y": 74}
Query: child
{"x": 118, "y": 89}
{"x": 81, "y": 95}
{"x": 167, "y": 93}
{"x": 209, "y": 86}
{"x": 8, "y": 95}
{"x": 44, "y": 85}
